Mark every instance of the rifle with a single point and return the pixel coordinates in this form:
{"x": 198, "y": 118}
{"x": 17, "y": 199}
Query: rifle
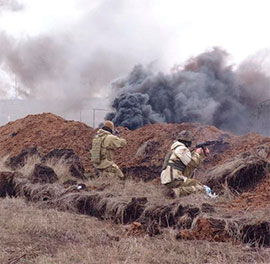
{"x": 207, "y": 143}
{"x": 117, "y": 133}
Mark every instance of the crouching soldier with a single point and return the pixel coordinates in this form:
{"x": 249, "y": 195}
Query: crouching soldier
{"x": 179, "y": 165}
{"x": 104, "y": 144}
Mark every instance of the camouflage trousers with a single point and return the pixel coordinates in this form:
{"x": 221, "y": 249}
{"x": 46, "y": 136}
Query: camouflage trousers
{"x": 183, "y": 188}
{"x": 112, "y": 170}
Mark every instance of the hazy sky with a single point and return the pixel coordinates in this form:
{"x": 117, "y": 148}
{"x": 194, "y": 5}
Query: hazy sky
{"x": 241, "y": 27}
{"x": 105, "y": 38}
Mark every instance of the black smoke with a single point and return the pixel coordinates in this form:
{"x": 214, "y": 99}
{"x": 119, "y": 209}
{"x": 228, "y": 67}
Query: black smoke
{"x": 205, "y": 90}
{"x": 133, "y": 110}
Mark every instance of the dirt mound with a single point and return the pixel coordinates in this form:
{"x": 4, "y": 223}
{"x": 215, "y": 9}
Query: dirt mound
{"x": 143, "y": 155}
{"x": 223, "y": 230}
{"x": 146, "y": 148}
{"x": 242, "y": 173}
{"x": 208, "y": 229}
{"x": 259, "y": 198}
{"x": 46, "y": 132}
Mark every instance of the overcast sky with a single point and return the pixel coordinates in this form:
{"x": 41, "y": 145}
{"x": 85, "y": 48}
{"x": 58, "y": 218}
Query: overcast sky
{"x": 241, "y": 27}
{"x": 105, "y": 38}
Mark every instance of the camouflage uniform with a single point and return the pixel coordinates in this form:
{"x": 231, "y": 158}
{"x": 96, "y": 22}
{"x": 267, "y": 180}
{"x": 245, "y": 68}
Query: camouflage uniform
{"x": 177, "y": 170}
{"x": 109, "y": 143}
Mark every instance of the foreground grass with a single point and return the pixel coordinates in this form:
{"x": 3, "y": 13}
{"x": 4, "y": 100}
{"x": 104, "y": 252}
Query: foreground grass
{"x": 30, "y": 235}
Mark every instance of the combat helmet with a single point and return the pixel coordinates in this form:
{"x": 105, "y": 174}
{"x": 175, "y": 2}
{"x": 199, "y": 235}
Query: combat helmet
{"x": 109, "y": 124}
{"x": 186, "y": 136}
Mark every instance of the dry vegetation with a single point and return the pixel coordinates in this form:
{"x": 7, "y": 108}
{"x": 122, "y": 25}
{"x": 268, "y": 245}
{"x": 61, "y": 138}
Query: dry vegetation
{"x": 33, "y": 236}
{"x": 3, "y": 166}
{"x": 32, "y": 233}
{"x": 49, "y": 220}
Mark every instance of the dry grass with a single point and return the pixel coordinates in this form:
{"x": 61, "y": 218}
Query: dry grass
{"x": 3, "y": 166}
{"x": 29, "y": 166}
{"x": 154, "y": 192}
{"x": 257, "y": 216}
{"x": 36, "y": 234}
{"x": 33, "y": 236}
{"x": 61, "y": 169}
{"x": 227, "y": 194}
{"x": 59, "y": 166}
{"x": 129, "y": 188}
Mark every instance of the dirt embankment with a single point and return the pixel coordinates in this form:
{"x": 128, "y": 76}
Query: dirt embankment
{"x": 240, "y": 162}
{"x": 142, "y": 156}
{"x": 46, "y": 132}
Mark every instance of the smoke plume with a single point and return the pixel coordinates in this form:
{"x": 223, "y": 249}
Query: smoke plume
{"x": 205, "y": 90}
{"x": 76, "y": 57}
{"x": 78, "y": 61}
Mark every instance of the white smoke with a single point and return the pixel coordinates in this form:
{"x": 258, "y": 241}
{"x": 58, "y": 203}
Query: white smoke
{"x": 71, "y": 50}
{"x": 79, "y": 62}
{"x": 11, "y": 5}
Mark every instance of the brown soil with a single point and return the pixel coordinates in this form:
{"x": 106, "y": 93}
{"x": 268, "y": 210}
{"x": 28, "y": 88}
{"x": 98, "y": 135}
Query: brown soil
{"x": 142, "y": 159}
{"x": 142, "y": 156}
{"x": 257, "y": 199}
{"x": 46, "y": 132}
{"x": 208, "y": 229}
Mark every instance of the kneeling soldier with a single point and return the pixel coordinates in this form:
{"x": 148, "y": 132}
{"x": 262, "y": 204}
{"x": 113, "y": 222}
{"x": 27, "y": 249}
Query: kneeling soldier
{"x": 180, "y": 164}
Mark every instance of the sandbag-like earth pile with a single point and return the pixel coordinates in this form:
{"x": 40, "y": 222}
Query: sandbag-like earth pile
{"x": 237, "y": 169}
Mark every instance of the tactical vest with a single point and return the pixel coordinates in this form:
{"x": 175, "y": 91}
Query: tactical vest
{"x": 176, "y": 164}
{"x": 96, "y": 149}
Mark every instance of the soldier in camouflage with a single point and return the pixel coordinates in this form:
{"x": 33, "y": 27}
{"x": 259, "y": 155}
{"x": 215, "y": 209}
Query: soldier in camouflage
{"x": 104, "y": 144}
{"x": 180, "y": 164}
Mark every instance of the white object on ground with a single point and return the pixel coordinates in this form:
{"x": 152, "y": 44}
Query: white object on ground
{"x": 209, "y": 192}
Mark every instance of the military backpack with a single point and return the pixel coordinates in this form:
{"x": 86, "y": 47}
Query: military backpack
{"x": 96, "y": 149}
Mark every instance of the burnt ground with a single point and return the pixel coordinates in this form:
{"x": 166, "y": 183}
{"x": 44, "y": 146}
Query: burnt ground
{"x": 237, "y": 168}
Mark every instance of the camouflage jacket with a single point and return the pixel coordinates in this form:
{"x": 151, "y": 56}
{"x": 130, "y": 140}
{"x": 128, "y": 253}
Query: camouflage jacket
{"x": 109, "y": 145}
{"x": 189, "y": 160}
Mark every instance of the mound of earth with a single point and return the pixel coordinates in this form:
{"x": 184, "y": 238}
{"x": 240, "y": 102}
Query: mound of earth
{"x": 241, "y": 173}
{"x": 146, "y": 148}
{"x": 46, "y": 132}
{"x": 241, "y": 163}
{"x": 143, "y": 155}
